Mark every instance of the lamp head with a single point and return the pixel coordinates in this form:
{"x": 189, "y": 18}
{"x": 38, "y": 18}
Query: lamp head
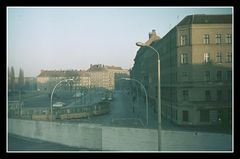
{"x": 140, "y": 44}
{"x": 68, "y": 80}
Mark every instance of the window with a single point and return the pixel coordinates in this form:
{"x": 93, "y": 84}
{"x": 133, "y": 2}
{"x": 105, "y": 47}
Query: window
{"x": 184, "y": 59}
{"x": 184, "y": 76}
{"x": 207, "y": 95}
{"x": 185, "y": 115}
{"x": 205, "y": 39}
{"x": 204, "y": 115}
{"x": 218, "y": 38}
{"x": 206, "y": 57}
{"x": 219, "y": 75}
{"x": 219, "y": 95}
{"x": 219, "y": 57}
{"x": 176, "y": 117}
{"x": 183, "y": 40}
{"x": 229, "y": 38}
{"x": 185, "y": 94}
{"x": 229, "y": 57}
{"x": 207, "y": 75}
{"x": 229, "y": 75}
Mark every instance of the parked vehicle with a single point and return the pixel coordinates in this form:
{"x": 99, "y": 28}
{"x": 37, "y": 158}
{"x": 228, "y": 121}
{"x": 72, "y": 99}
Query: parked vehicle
{"x": 78, "y": 94}
{"x": 59, "y": 104}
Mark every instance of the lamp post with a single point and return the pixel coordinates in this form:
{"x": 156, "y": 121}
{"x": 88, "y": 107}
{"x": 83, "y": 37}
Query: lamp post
{"x": 137, "y": 95}
{"x": 51, "y": 105}
{"x": 159, "y": 94}
{"x": 128, "y": 79}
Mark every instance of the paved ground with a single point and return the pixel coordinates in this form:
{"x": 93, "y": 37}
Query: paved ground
{"x": 122, "y": 112}
{"x": 90, "y": 98}
{"x": 18, "y": 143}
{"x": 122, "y": 115}
{"x": 42, "y": 99}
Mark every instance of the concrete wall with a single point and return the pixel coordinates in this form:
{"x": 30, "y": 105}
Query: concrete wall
{"x": 84, "y": 135}
{"x": 129, "y": 139}
{"x": 99, "y": 137}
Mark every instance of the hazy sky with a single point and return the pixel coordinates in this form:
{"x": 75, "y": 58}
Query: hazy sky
{"x": 74, "y": 38}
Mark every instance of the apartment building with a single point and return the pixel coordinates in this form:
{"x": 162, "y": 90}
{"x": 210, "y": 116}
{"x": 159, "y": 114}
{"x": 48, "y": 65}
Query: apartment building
{"x": 96, "y": 76}
{"x": 196, "y": 70}
{"x": 104, "y": 76}
{"x": 47, "y": 79}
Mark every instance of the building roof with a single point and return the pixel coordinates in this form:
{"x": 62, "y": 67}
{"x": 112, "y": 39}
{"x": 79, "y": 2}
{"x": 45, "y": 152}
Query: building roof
{"x": 152, "y": 37}
{"x": 113, "y": 67}
{"x": 97, "y": 67}
{"x": 190, "y": 19}
{"x": 62, "y": 73}
{"x": 207, "y": 19}
{"x": 101, "y": 67}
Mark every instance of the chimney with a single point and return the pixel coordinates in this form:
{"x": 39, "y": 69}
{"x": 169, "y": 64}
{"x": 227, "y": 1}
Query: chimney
{"x": 150, "y": 35}
{"x": 154, "y": 32}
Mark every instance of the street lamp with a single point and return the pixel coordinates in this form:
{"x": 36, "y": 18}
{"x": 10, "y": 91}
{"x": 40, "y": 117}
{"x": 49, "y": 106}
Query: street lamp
{"x": 137, "y": 94}
{"x": 128, "y": 79}
{"x": 140, "y": 44}
{"x": 51, "y": 105}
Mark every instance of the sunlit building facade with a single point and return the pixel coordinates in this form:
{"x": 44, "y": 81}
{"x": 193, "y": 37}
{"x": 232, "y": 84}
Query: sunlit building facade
{"x": 98, "y": 76}
{"x": 103, "y": 76}
{"x": 196, "y": 71}
{"x": 47, "y": 79}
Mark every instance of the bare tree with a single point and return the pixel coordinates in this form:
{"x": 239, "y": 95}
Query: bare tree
{"x": 9, "y": 79}
{"x": 21, "y": 80}
{"x": 12, "y": 79}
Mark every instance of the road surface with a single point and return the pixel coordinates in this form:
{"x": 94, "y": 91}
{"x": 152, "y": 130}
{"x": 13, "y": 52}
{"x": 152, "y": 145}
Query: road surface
{"x": 121, "y": 114}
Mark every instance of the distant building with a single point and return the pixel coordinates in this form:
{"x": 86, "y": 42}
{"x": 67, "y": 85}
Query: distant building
{"x": 83, "y": 79}
{"x": 49, "y": 78}
{"x": 120, "y": 84}
{"x": 196, "y": 70}
{"x": 96, "y": 76}
{"x": 104, "y": 76}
